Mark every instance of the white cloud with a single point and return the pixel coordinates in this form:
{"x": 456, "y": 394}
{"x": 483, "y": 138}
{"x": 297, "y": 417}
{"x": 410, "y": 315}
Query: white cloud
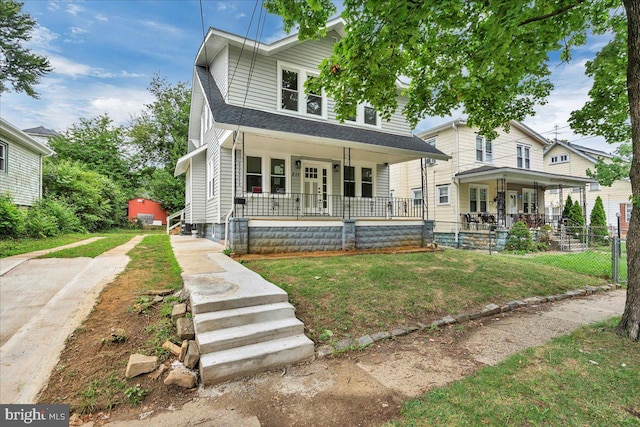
{"x": 42, "y": 39}
{"x": 73, "y": 9}
{"x": 163, "y": 28}
{"x": 65, "y": 67}
{"x": 241, "y": 15}
{"x": 100, "y": 17}
{"x": 53, "y": 6}
{"x": 77, "y": 31}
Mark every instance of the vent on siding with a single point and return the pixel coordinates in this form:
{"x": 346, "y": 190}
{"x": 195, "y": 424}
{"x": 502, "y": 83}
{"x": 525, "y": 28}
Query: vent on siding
{"x": 334, "y": 40}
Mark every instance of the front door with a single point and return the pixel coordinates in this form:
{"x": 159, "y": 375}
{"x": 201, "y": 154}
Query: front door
{"x": 315, "y": 187}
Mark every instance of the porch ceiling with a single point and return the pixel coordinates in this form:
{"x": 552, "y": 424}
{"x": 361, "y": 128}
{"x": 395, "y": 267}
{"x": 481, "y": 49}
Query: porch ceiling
{"x": 521, "y": 176}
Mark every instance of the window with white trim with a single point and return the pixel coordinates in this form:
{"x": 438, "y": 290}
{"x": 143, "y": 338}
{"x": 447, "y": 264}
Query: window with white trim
{"x": 211, "y": 188}
{"x": 529, "y": 201}
{"x": 367, "y": 182}
{"x": 349, "y": 181}
{"x": 370, "y": 116}
{"x": 562, "y": 158}
{"x": 627, "y": 209}
{"x": 523, "y": 156}
{"x": 291, "y": 94}
{"x": 254, "y": 174}
{"x": 417, "y": 196}
{"x": 3, "y": 157}
{"x": 278, "y": 176}
{"x": 484, "y": 150}
{"x": 365, "y": 115}
{"x": 443, "y": 194}
{"x": 478, "y": 198}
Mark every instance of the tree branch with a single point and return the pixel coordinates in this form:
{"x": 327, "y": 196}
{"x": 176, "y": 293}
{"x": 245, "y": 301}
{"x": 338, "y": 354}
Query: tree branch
{"x": 549, "y": 15}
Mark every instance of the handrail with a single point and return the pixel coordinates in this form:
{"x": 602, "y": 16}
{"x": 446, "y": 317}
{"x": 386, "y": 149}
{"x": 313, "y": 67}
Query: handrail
{"x": 180, "y": 214}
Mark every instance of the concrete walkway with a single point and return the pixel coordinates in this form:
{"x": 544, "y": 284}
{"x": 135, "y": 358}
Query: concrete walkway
{"x": 9, "y": 263}
{"x": 43, "y": 302}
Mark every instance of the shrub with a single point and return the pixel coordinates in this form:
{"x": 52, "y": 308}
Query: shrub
{"x": 41, "y": 223}
{"x": 11, "y": 218}
{"x": 598, "y": 223}
{"x": 66, "y": 219}
{"x": 519, "y": 238}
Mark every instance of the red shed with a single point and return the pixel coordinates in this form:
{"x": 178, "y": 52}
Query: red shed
{"x": 149, "y": 212}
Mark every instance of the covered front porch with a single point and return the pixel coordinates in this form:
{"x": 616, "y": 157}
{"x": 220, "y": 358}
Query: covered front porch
{"x": 498, "y": 197}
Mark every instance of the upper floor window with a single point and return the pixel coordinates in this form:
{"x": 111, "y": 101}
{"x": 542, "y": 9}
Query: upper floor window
{"x": 484, "y": 150}
{"x": 365, "y": 115}
{"x": 3, "y": 157}
{"x": 523, "y": 156}
{"x": 562, "y": 158}
{"x": 291, "y": 92}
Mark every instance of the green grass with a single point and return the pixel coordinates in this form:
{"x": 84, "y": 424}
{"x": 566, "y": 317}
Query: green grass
{"x": 93, "y": 249}
{"x": 9, "y": 247}
{"x": 588, "y": 378}
{"x": 355, "y": 295}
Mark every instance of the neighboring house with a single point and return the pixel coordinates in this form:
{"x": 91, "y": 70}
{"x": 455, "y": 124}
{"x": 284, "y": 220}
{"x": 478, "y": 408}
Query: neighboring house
{"x": 148, "y": 211}
{"x": 21, "y": 164}
{"x": 275, "y": 163}
{"x": 571, "y": 159}
{"x": 487, "y": 184}
{"x": 41, "y": 134}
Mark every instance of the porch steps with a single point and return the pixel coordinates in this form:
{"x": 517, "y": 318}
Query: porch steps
{"x": 243, "y": 323}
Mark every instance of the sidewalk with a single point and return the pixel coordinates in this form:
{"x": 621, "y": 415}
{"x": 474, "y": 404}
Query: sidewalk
{"x": 43, "y": 302}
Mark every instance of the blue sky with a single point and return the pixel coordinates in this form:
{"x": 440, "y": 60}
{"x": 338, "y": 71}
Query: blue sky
{"x": 105, "y": 53}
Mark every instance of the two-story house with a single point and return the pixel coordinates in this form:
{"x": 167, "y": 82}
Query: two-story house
{"x": 269, "y": 168}
{"x": 486, "y": 184}
{"x": 21, "y": 164}
{"x": 571, "y": 159}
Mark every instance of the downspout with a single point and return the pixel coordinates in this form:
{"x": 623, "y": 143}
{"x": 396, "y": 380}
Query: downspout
{"x": 456, "y": 183}
{"x": 233, "y": 191}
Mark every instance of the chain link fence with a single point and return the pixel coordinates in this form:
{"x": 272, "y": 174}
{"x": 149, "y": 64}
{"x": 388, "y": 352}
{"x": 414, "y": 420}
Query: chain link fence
{"x": 596, "y": 251}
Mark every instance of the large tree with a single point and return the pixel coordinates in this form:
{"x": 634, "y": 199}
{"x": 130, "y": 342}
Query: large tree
{"x": 19, "y": 68}
{"x": 100, "y": 145}
{"x": 158, "y": 137}
{"x": 490, "y": 58}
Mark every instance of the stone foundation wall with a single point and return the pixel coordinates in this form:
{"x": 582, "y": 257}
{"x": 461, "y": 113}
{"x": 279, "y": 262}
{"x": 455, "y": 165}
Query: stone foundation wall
{"x": 473, "y": 239}
{"x": 263, "y": 240}
{"x": 380, "y": 237}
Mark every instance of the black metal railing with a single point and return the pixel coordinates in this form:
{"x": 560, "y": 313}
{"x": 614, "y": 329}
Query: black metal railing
{"x": 325, "y": 205}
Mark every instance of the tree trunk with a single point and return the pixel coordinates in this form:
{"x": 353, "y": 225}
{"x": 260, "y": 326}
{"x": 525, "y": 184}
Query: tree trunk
{"x": 630, "y": 322}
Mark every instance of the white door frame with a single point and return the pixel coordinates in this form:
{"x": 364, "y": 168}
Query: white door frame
{"x": 327, "y": 167}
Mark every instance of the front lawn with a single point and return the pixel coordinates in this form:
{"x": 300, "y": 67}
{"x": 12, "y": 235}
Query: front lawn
{"x": 588, "y": 378}
{"x": 9, "y": 247}
{"x": 354, "y": 295}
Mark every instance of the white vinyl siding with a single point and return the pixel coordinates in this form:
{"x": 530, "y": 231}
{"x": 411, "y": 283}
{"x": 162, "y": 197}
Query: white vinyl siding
{"x": 198, "y": 189}
{"x": 21, "y": 177}
{"x": 219, "y": 70}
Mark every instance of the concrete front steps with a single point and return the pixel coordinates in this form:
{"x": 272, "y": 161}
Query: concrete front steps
{"x": 243, "y": 323}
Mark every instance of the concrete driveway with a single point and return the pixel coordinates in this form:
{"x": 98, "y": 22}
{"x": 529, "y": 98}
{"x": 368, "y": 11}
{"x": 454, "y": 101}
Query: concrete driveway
{"x": 43, "y": 302}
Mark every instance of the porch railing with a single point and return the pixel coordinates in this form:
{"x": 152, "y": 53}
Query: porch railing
{"x": 171, "y": 220}
{"x": 327, "y": 206}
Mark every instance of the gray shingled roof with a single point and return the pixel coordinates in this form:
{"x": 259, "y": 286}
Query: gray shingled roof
{"x": 41, "y": 130}
{"x": 232, "y": 115}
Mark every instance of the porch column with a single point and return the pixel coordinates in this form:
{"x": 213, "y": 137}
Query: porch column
{"x": 239, "y": 235}
{"x": 348, "y": 234}
{"x": 427, "y": 231}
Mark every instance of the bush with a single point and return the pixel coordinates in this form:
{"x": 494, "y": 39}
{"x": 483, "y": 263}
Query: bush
{"x": 598, "y": 223}
{"x": 66, "y": 219}
{"x": 40, "y": 222}
{"x": 11, "y": 218}
{"x": 519, "y": 238}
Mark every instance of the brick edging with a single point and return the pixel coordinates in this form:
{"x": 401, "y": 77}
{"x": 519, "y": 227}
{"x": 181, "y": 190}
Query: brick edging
{"x": 488, "y": 310}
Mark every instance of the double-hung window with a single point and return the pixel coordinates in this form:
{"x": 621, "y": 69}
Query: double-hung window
{"x": 254, "y": 174}
{"x": 523, "y": 156}
{"x": 484, "y": 149}
{"x": 291, "y": 92}
{"x": 443, "y": 194}
{"x": 278, "y": 176}
{"x": 417, "y": 196}
{"x": 628, "y": 208}
{"x": 349, "y": 181}
{"x": 3, "y": 157}
{"x": 367, "y": 182}
{"x": 478, "y": 199}
{"x": 365, "y": 115}
{"x": 370, "y": 116}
